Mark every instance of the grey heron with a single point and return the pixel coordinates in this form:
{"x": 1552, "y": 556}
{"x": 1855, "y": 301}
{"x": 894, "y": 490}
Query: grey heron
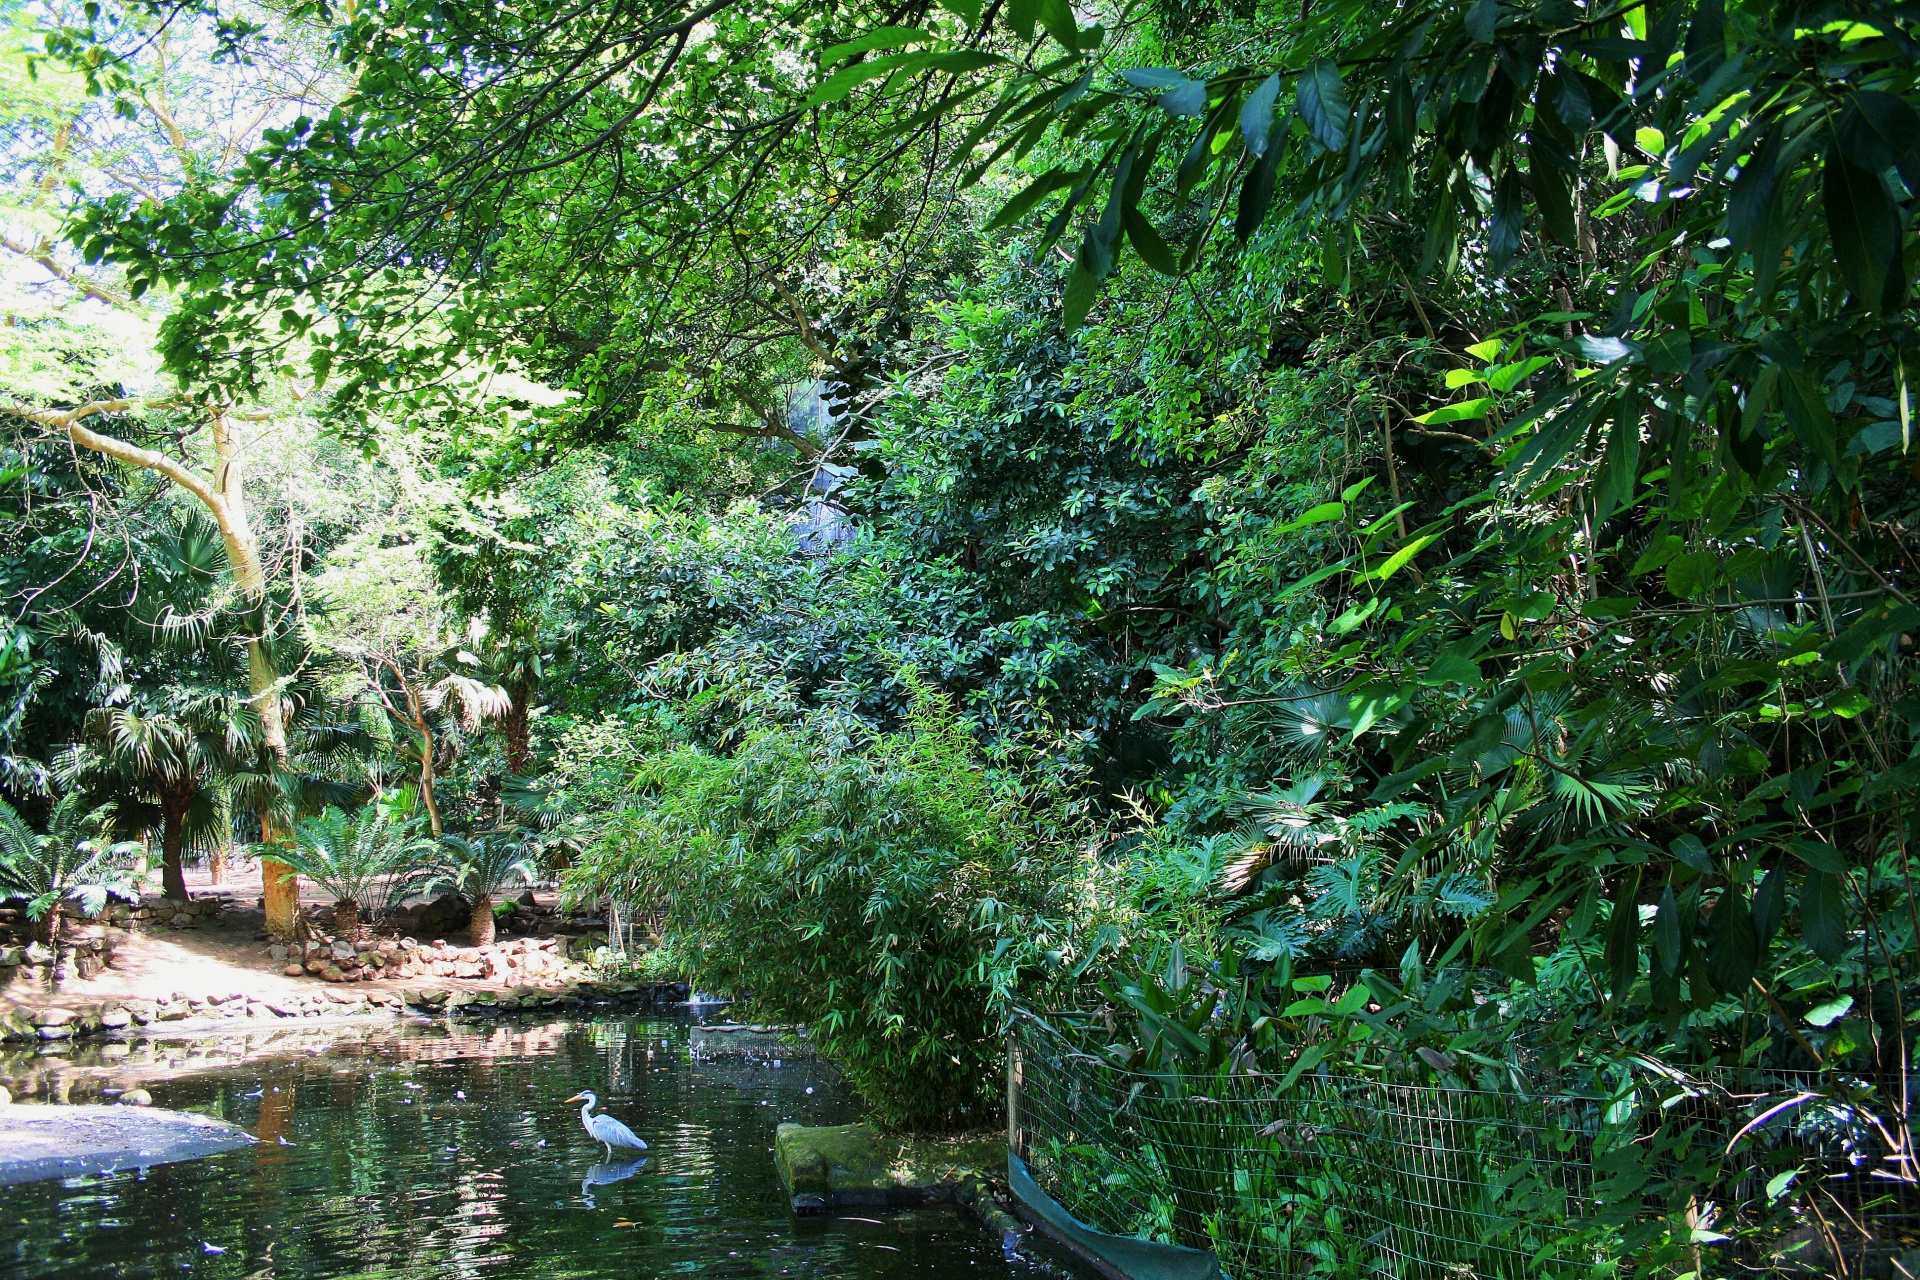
{"x": 609, "y": 1132}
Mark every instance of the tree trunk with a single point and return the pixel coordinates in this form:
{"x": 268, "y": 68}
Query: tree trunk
{"x": 519, "y": 731}
{"x": 279, "y": 888}
{"x": 217, "y": 863}
{"x": 480, "y": 924}
{"x": 427, "y": 798}
{"x": 346, "y": 920}
{"x": 173, "y": 830}
{"x": 224, "y": 497}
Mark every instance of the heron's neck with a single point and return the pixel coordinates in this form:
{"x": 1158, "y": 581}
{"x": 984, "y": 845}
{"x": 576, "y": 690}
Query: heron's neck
{"x": 584, "y": 1110}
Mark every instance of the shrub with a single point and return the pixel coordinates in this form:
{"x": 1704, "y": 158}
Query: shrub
{"x": 49, "y": 871}
{"x": 481, "y": 867}
{"x": 370, "y": 860}
{"x": 885, "y": 889}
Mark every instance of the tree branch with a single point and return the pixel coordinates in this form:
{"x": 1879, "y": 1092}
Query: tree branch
{"x": 67, "y": 423}
{"x": 771, "y": 431}
{"x": 42, "y": 256}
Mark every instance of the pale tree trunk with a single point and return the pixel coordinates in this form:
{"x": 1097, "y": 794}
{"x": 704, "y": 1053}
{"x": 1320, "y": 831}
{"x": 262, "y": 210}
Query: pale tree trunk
{"x": 279, "y": 888}
{"x": 427, "y": 746}
{"x": 427, "y": 797}
{"x": 225, "y": 498}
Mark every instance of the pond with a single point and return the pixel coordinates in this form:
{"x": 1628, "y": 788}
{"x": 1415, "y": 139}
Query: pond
{"x": 424, "y": 1152}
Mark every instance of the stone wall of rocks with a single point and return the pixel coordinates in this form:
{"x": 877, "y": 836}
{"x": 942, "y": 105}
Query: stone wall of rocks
{"x": 448, "y": 914}
{"x": 156, "y": 912}
{"x": 36, "y": 966}
{"x": 512, "y": 960}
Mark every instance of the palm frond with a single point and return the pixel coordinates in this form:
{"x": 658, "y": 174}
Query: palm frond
{"x": 371, "y": 857}
{"x": 482, "y": 865}
{"x": 471, "y": 701}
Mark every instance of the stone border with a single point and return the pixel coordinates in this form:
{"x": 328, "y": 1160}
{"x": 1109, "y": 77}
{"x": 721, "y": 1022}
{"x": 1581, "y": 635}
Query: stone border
{"x": 119, "y": 1018}
{"x": 851, "y": 1166}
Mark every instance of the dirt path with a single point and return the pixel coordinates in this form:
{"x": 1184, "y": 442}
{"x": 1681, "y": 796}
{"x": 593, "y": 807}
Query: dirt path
{"x": 220, "y": 956}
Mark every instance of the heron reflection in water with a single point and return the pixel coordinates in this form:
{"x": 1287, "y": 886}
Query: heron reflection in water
{"x": 607, "y": 1173}
{"x": 607, "y": 1131}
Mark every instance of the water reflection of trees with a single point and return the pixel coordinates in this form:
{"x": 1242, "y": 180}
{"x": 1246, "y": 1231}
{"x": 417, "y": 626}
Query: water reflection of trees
{"x": 399, "y": 1182}
{"x": 71, "y": 1073}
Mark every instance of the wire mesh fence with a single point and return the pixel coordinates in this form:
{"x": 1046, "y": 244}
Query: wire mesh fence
{"x": 1333, "y": 1175}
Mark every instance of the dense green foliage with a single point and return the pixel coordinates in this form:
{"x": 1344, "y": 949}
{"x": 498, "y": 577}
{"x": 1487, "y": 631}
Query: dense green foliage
{"x": 1472, "y": 526}
{"x": 885, "y": 889}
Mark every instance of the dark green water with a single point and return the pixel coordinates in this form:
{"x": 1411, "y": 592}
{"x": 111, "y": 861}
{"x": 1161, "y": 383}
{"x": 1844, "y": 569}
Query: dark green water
{"x": 388, "y": 1172}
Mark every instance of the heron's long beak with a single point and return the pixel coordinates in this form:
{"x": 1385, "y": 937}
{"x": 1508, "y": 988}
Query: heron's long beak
{"x": 578, "y": 1097}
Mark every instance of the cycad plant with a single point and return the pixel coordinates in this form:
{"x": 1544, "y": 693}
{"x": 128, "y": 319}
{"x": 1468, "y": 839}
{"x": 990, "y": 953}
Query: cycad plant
{"x": 483, "y": 866}
{"x": 63, "y": 866}
{"x": 370, "y": 860}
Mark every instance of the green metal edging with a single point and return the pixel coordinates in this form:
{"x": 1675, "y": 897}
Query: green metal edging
{"x": 1122, "y": 1256}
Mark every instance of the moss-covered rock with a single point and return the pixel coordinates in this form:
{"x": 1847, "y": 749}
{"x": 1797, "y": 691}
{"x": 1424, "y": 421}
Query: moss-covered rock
{"x": 856, "y": 1164}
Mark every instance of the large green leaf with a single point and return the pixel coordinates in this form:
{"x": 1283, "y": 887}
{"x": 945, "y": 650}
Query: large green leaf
{"x": 1878, "y": 130}
{"x": 1503, "y": 230}
{"x": 1078, "y": 298}
{"x": 1769, "y": 907}
{"x": 1256, "y": 115}
{"x": 1551, "y": 196}
{"x": 1148, "y": 243}
{"x": 1173, "y": 92}
{"x": 1823, "y": 915}
{"x": 1057, "y": 17}
{"x": 1865, "y": 227}
{"x": 1481, "y": 17}
{"x": 1321, "y": 98}
{"x": 1256, "y": 193}
{"x": 1623, "y": 935}
{"x": 1016, "y": 207}
{"x": 1692, "y": 573}
{"x": 1620, "y": 465}
{"x": 1669, "y": 940}
{"x": 1102, "y": 238}
{"x": 1733, "y": 945}
{"x": 881, "y": 38}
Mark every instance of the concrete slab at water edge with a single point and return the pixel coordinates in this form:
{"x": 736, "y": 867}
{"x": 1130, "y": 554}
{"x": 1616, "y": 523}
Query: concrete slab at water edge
{"x": 856, "y": 1164}
{"x": 63, "y": 1142}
